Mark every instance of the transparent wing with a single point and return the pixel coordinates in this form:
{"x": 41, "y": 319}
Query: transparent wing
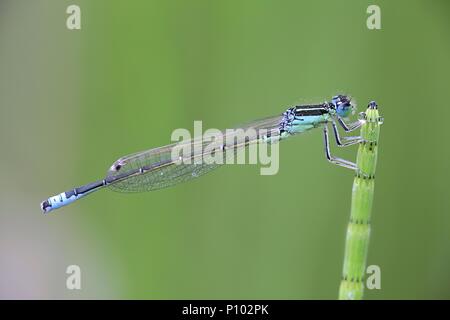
{"x": 171, "y": 172}
{"x": 163, "y": 177}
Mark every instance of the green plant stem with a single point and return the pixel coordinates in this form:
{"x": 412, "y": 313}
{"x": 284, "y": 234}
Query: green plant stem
{"x": 358, "y": 230}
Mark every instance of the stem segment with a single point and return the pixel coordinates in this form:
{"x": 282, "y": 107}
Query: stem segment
{"x": 358, "y": 230}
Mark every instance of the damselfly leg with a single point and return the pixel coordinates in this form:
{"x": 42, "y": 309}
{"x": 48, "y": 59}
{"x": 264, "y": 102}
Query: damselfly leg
{"x": 351, "y": 141}
{"x": 335, "y": 160}
{"x": 344, "y": 141}
{"x": 352, "y": 126}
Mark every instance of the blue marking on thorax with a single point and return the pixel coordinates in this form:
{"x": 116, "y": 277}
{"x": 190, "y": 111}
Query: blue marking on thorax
{"x": 301, "y": 124}
{"x": 292, "y": 123}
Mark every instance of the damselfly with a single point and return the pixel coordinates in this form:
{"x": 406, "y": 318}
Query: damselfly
{"x": 155, "y": 168}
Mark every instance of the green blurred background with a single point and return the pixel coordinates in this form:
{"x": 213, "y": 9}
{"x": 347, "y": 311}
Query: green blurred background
{"x": 72, "y": 102}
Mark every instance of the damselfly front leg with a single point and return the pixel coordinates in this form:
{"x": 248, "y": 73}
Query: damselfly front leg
{"x": 345, "y": 141}
{"x": 354, "y": 125}
{"x": 335, "y": 160}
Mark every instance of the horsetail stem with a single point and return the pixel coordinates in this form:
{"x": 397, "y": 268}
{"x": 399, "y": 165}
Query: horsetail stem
{"x": 358, "y": 230}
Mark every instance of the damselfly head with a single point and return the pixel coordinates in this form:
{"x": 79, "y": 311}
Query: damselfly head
{"x": 343, "y": 105}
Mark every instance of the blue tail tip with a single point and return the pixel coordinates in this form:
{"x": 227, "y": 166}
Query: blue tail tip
{"x": 45, "y": 206}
